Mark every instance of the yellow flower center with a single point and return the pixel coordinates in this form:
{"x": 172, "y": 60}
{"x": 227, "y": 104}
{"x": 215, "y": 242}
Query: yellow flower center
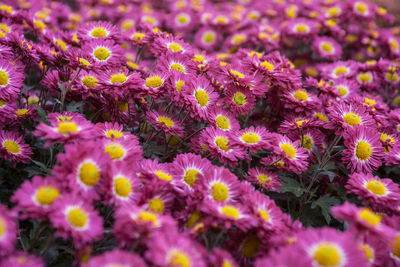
{"x": 163, "y": 175}
{"x": 209, "y": 37}
{"x": 395, "y": 245}
{"x": 370, "y": 102}
{"x": 341, "y": 70}
{"x": 376, "y": 187}
{"x": 361, "y": 8}
{"x": 115, "y": 150}
{"x": 6, "y": 8}
{"x": 101, "y": 53}
{"x": 238, "y": 38}
{"x": 223, "y": 122}
{"x": 178, "y": 258}
{"x": 327, "y": 47}
{"x": 392, "y": 77}
{"x": 220, "y": 192}
{"x": 78, "y": 217}
{"x": 154, "y": 81}
{"x": 222, "y": 143}
{"x": 190, "y": 176}
{"x": 40, "y": 25}
{"x": 118, "y": 78}
{"x": 12, "y": 146}
{"x": 174, "y": 47}
{"x": 352, "y": 119}
{"x": 321, "y": 117}
{"x": 47, "y": 194}
{"x": 369, "y": 217}
{"x": 193, "y": 219}
{"x": 32, "y": 100}
{"x": 302, "y": 28}
{"x": 166, "y": 121}
{"x": 89, "y": 174}
{"x": 3, "y": 227}
{"x": 114, "y": 134}
{"x": 267, "y": 66}
{"x": 98, "y": 32}
{"x": 179, "y": 84}
{"x": 327, "y": 255}
{"x": 263, "y": 179}
{"x": 250, "y": 246}
{"x": 66, "y": 127}
{"x": 122, "y": 186}
{"x": 138, "y": 36}
{"x": 237, "y": 74}
{"x": 198, "y": 58}
{"x": 90, "y": 81}
{"x": 4, "y": 28}
{"x": 250, "y": 138}
{"x": 122, "y": 106}
{"x": 22, "y": 112}
{"x": 333, "y": 11}
{"x": 3, "y": 78}
{"x": 365, "y": 77}
{"x": 148, "y": 217}
{"x": 301, "y": 95}
{"x": 368, "y": 252}
{"x": 201, "y": 97}
{"x": 177, "y": 67}
{"x": 363, "y": 150}
{"x": 264, "y": 214}
{"x": 157, "y": 205}
{"x": 289, "y": 150}
{"x": 183, "y": 19}
{"x": 230, "y": 212}
{"x": 61, "y": 44}
{"x": 84, "y": 62}
{"x": 307, "y": 142}
{"x": 342, "y": 90}
{"x": 239, "y": 99}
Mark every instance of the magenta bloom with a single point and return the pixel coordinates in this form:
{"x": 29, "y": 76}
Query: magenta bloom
{"x": 77, "y": 220}
{"x": 10, "y": 81}
{"x": 223, "y": 119}
{"x": 116, "y": 257}
{"x": 163, "y": 121}
{"x": 284, "y": 257}
{"x": 266, "y": 179}
{"x": 8, "y": 230}
{"x": 364, "y": 151}
{"x": 329, "y": 247}
{"x": 175, "y": 249}
{"x": 293, "y": 156}
{"x": 98, "y": 30}
{"x": 381, "y": 193}
{"x": 34, "y": 199}
{"x": 13, "y": 147}
{"x": 22, "y": 259}
{"x": 327, "y": 48}
{"x": 64, "y": 128}
{"x": 105, "y": 53}
{"x": 255, "y": 138}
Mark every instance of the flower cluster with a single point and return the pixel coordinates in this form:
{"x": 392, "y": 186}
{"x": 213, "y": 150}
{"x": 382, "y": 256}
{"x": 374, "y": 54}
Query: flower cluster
{"x": 199, "y": 133}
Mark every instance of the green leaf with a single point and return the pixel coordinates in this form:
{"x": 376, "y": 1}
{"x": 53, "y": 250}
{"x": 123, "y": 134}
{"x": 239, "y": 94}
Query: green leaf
{"x": 42, "y": 166}
{"x": 291, "y": 185}
{"x": 317, "y": 153}
{"x": 325, "y": 203}
{"x": 330, "y": 174}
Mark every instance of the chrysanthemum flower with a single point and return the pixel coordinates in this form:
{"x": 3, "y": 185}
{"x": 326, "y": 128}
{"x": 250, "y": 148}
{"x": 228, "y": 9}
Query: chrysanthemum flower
{"x": 200, "y": 97}
{"x": 294, "y": 156}
{"x": 372, "y": 189}
{"x": 174, "y": 250}
{"x": 220, "y": 185}
{"x": 340, "y": 69}
{"x": 105, "y": 53}
{"x": 301, "y": 28}
{"x": 134, "y": 223}
{"x": 8, "y": 230}
{"x": 117, "y": 83}
{"x": 363, "y": 219}
{"x": 190, "y": 169}
{"x": 239, "y": 100}
{"x": 149, "y": 169}
{"x": 126, "y": 149}
{"x": 222, "y": 119}
{"x": 220, "y": 145}
{"x": 166, "y": 123}
{"x": 285, "y": 257}
{"x": 236, "y": 75}
{"x": 64, "y": 128}
{"x": 81, "y": 170}
{"x": 110, "y": 130}
{"x": 393, "y": 158}
{"x": 121, "y": 184}
{"x": 75, "y": 219}
{"x": 96, "y": 30}
{"x": 162, "y": 45}
{"x": 154, "y": 85}
{"x": 300, "y": 100}
{"x": 116, "y": 257}
{"x": 345, "y": 116}
{"x": 327, "y": 48}
{"x": 345, "y": 87}
{"x": 176, "y": 84}
{"x": 10, "y": 81}
{"x": 254, "y": 138}
{"x": 13, "y": 147}
{"x": 207, "y": 38}
{"x": 175, "y": 63}
{"x": 22, "y": 259}
{"x": 157, "y": 196}
{"x": 362, "y": 9}
{"x": 266, "y": 179}
{"x": 329, "y": 247}
{"x": 223, "y": 258}
{"x": 364, "y": 151}
{"x": 34, "y": 198}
